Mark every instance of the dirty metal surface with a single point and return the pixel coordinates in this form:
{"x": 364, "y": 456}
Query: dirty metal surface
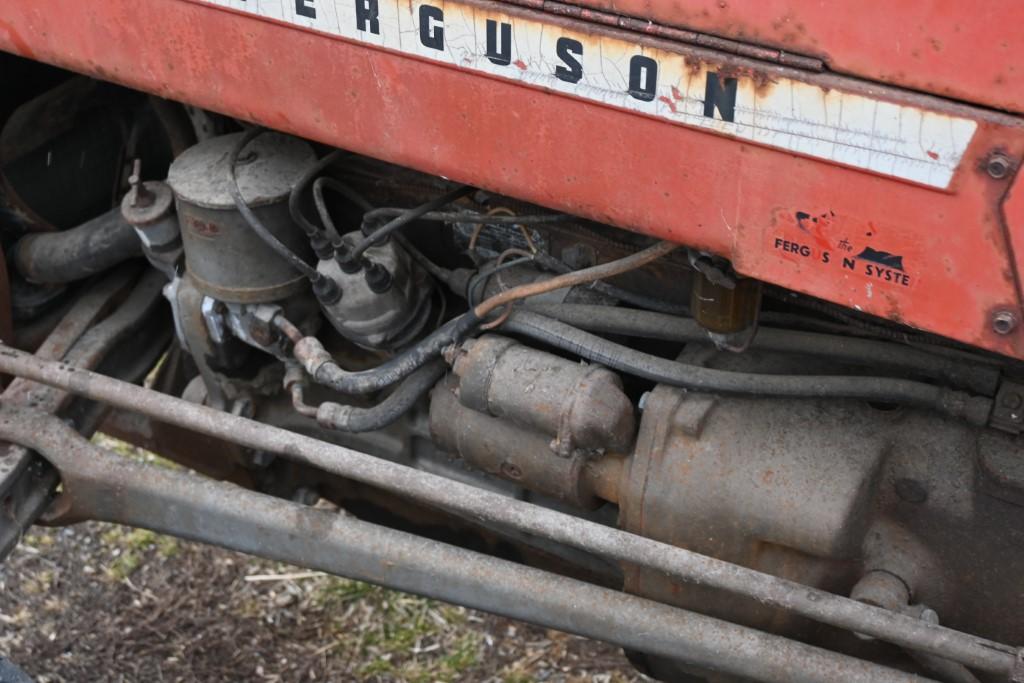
{"x": 489, "y": 507}
{"x": 26, "y": 483}
{"x": 947, "y": 47}
{"x": 100, "y": 485}
{"x": 875, "y": 238}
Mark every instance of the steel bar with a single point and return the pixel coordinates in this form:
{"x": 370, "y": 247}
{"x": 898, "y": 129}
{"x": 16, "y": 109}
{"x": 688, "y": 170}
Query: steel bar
{"x": 492, "y": 508}
{"x": 109, "y": 488}
{"x": 26, "y": 481}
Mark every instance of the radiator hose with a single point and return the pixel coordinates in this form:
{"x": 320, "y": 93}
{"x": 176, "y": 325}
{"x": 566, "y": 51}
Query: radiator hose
{"x": 77, "y": 253}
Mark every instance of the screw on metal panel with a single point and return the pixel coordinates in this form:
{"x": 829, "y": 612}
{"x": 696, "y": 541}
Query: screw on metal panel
{"x": 998, "y": 165}
{"x": 1004, "y": 322}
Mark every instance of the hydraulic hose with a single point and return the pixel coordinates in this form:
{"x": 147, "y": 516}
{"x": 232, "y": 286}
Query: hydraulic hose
{"x": 75, "y": 254}
{"x": 974, "y": 410}
{"x": 976, "y": 377}
{"x": 354, "y": 419}
{"x": 312, "y": 355}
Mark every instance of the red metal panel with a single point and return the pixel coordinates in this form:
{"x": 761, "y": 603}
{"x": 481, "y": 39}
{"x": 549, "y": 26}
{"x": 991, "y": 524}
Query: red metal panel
{"x": 965, "y": 50}
{"x": 734, "y": 198}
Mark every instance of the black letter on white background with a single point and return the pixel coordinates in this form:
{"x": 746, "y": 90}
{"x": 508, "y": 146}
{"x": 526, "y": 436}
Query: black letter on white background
{"x": 569, "y": 50}
{"x": 643, "y": 78}
{"x": 367, "y": 15}
{"x": 499, "y": 54}
{"x": 431, "y": 34}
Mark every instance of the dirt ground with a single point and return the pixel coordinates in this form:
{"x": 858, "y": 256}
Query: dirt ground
{"x": 102, "y": 603}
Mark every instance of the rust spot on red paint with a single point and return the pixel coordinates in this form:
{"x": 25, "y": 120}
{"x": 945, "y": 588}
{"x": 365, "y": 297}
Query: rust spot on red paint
{"x": 669, "y": 102}
{"x": 520, "y": 64}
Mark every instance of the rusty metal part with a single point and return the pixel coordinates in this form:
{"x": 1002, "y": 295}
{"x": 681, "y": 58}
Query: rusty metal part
{"x": 577, "y": 277}
{"x": 509, "y": 451}
{"x": 679, "y": 563}
{"x": 647, "y": 27}
{"x": 26, "y": 483}
{"x": 1008, "y": 409}
{"x": 227, "y": 260}
{"x": 149, "y": 208}
{"x": 100, "y": 485}
{"x": 824, "y": 493}
{"x": 580, "y": 406}
{"x": 882, "y": 589}
{"x": 212, "y": 457}
{"x": 728, "y": 311}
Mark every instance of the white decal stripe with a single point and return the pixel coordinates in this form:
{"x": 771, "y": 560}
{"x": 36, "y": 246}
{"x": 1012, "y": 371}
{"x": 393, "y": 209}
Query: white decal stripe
{"x": 896, "y": 140}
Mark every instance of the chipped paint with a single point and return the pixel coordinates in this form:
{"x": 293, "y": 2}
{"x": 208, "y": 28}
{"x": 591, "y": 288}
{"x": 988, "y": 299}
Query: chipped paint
{"x": 897, "y": 140}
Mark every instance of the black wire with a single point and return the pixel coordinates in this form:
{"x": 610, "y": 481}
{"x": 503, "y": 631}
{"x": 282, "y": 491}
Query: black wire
{"x": 486, "y": 273}
{"x": 406, "y": 217}
{"x": 467, "y": 217}
{"x": 257, "y": 226}
{"x": 294, "y": 199}
{"x": 321, "y": 206}
{"x": 957, "y": 404}
{"x": 638, "y": 300}
{"x": 441, "y": 273}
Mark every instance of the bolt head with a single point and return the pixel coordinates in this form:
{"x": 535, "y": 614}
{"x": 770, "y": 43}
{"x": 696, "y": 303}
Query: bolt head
{"x": 999, "y": 166}
{"x": 511, "y": 471}
{"x": 1012, "y": 401}
{"x": 1004, "y": 322}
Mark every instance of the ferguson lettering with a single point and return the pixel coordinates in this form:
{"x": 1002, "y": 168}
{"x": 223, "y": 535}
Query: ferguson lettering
{"x": 627, "y": 71}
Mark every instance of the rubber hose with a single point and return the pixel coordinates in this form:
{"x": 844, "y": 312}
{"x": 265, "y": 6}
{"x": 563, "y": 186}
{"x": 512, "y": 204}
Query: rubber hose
{"x": 576, "y": 341}
{"x": 322, "y": 368}
{"x": 77, "y": 253}
{"x": 976, "y": 377}
{"x": 355, "y": 419}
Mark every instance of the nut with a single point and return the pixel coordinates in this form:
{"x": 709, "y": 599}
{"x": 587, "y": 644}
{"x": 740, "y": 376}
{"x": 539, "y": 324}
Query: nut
{"x": 999, "y": 166}
{"x": 1004, "y": 322}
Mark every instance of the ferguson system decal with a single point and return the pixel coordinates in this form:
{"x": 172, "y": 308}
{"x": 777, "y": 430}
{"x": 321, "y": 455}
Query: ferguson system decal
{"x": 901, "y": 141}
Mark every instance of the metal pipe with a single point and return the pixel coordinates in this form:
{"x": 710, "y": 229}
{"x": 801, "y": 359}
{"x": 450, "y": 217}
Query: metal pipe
{"x": 109, "y": 488}
{"x": 489, "y": 507}
{"x": 90, "y": 248}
